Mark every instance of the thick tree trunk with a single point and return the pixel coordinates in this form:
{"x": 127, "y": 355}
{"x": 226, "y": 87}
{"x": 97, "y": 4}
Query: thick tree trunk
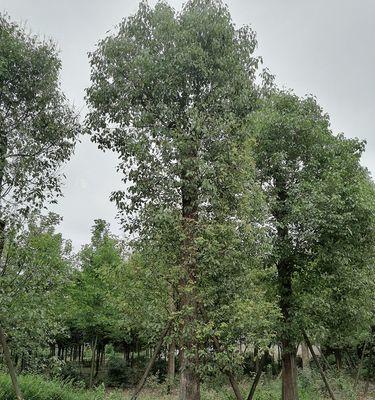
{"x": 289, "y": 372}
{"x": 285, "y": 268}
{"x": 288, "y": 347}
{"x": 10, "y": 366}
{"x": 189, "y": 381}
{"x": 189, "y": 378}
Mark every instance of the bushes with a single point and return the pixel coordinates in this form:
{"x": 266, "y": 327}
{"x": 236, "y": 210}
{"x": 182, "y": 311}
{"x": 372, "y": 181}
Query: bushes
{"x": 121, "y": 374}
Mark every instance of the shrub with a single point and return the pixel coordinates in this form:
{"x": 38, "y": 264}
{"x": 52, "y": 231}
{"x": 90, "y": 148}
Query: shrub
{"x": 119, "y": 373}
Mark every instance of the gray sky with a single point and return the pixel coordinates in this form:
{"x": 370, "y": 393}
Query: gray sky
{"x": 323, "y": 47}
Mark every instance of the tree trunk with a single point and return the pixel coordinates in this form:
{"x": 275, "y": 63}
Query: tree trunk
{"x": 322, "y": 374}
{"x": 9, "y": 363}
{"x": 171, "y": 366}
{"x": 257, "y": 376}
{"x": 360, "y": 364}
{"x": 92, "y": 368}
{"x": 189, "y": 378}
{"x": 289, "y": 369}
{"x": 338, "y": 358}
{"x": 97, "y": 361}
{"x": 285, "y": 268}
{"x": 102, "y": 358}
{"x": 368, "y": 372}
{"x": 288, "y": 347}
{"x": 231, "y": 377}
{"x": 151, "y": 362}
{"x": 4, "y": 344}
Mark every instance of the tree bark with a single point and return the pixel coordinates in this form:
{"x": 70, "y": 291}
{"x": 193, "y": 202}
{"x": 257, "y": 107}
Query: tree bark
{"x": 288, "y": 347}
{"x": 289, "y": 377}
{"x": 10, "y": 366}
{"x": 285, "y": 268}
{"x": 322, "y": 374}
{"x": 151, "y": 362}
{"x": 189, "y": 378}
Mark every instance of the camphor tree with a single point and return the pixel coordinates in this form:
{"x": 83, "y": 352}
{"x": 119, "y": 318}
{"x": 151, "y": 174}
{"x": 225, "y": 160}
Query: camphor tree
{"x": 37, "y": 131}
{"x": 321, "y": 213}
{"x": 171, "y": 93}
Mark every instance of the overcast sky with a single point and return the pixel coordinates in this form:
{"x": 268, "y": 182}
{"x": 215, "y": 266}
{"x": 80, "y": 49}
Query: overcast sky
{"x": 323, "y": 47}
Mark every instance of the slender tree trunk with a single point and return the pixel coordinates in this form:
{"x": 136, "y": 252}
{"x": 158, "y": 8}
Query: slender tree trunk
{"x": 322, "y": 374}
{"x": 360, "y": 365}
{"x": 97, "y": 361}
{"x": 231, "y": 377}
{"x": 151, "y": 362}
{"x": 102, "y": 358}
{"x": 92, "y": 368}
{"x": 350, "y": 360}
{"x": 4, "y": 344}
{"x": 10, "y": 366}
{"x": 368, "y": 372}
{"x": 257, "y": 376}
{"x": 338, "y": 358}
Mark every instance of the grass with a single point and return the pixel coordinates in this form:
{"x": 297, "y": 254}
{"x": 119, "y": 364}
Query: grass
{"x": 35, "y": 387}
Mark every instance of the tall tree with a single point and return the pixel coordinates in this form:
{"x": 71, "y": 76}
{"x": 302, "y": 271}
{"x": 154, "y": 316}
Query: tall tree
{"x": 320, "y": 216}
{"x": 170, "y": 93}
{"x": 37, "y": 128}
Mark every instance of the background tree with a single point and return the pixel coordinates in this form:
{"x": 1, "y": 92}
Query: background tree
{"x": 91, "y": 307}
{"x": 318, "y": 210}
{"x": 37, "y": 128}
{"x": 38, "y": 265}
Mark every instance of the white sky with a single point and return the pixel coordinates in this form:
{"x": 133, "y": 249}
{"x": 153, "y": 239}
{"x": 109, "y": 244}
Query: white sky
{"x": 323, "y": 47}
